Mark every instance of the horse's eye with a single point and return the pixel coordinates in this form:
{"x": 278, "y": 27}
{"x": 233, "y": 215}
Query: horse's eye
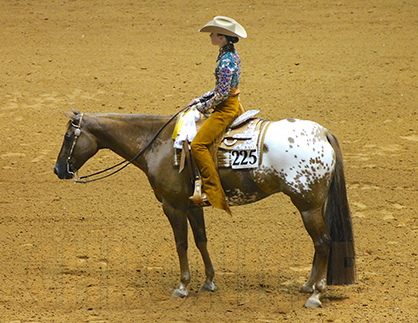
{"x": 67, "y": 136}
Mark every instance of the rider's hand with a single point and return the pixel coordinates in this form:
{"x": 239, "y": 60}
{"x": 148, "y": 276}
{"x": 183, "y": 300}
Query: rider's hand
{"x": 199, "y": 106}
{"x": 194, "y": 102}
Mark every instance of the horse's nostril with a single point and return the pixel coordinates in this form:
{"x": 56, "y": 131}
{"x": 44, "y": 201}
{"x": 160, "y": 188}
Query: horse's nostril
{"x": 61, "y": 172}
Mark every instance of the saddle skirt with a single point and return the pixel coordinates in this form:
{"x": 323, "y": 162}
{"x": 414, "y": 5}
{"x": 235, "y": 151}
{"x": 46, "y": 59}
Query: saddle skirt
{"x": 241, "y": 146}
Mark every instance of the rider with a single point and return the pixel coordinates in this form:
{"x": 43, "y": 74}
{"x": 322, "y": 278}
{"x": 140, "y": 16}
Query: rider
{"x": 223, "y": 101}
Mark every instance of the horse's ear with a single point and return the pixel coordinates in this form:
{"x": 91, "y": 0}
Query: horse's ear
{"x": 69, "y": 115}
{"x": 76, "y": 112}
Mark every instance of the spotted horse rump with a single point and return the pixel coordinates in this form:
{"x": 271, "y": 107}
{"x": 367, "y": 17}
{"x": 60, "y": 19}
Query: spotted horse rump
{"x": 302, "y": 155}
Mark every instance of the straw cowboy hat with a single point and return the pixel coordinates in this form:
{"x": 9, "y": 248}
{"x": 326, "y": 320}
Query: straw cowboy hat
{"x": 225, "y": 26}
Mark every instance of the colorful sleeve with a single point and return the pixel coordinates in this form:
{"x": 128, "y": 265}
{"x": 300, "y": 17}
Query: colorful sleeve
{"x": 220, "y": 93}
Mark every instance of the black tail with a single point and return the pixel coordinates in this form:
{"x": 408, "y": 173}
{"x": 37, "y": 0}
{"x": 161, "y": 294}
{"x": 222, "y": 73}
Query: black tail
{"x": 341, "y": 265}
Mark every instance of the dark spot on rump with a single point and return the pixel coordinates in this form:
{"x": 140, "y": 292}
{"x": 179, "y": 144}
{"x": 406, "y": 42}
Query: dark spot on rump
{"x": 265, "y": 148}
{"x": 291, "y": 140}
{"x": 291, "y": 120}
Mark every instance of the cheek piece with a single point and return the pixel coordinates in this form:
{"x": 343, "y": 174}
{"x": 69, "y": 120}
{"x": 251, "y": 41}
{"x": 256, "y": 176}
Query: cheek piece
{"x": 77, "y": 133}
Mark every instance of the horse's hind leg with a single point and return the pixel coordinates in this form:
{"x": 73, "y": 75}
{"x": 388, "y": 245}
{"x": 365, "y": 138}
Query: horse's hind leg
{"x": 317, "y": 281}
{"x": 197, "y": 223}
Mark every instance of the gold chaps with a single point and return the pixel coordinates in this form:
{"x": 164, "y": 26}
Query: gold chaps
{"x": 210, "y": 134}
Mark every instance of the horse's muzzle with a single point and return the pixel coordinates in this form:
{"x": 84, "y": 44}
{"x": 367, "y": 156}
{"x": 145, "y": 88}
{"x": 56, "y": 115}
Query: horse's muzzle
{"x": 62, "y": 172}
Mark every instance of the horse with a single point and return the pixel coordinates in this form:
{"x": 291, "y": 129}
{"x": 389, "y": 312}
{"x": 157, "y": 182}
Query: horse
{"x": 300, "y": 158}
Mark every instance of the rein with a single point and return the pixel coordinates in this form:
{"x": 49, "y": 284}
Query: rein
{"x": 86, "y": 179}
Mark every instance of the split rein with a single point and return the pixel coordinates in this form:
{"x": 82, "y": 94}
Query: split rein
{"x": 87, "y": 179}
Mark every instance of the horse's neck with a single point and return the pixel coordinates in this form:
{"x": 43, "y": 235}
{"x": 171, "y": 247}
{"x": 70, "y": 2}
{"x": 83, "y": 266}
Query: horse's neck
{"x": 125, "y": 134}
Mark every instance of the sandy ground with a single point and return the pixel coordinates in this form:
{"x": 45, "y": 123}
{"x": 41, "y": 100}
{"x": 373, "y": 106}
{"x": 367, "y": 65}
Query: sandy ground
{"x": 104, "y": 252}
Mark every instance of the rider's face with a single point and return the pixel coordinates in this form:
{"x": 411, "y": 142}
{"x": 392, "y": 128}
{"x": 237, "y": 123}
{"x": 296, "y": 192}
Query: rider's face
{"x": 218, "y": 40}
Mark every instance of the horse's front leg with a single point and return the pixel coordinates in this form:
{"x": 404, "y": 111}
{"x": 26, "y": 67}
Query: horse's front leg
{"x": 197, "y": 223}
{"x": 178, "y": 221}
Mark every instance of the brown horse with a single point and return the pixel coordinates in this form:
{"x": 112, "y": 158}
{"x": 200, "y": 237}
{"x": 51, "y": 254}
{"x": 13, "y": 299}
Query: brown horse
{"x": 300, "y": 158}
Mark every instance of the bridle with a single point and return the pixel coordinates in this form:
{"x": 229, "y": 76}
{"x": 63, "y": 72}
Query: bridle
{"x": 77, "y": 132}
{"x": 87, "y": 179}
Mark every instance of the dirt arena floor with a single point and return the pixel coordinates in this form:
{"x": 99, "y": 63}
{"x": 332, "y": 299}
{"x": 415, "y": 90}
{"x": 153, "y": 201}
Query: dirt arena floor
{"x": 104, "y": 252}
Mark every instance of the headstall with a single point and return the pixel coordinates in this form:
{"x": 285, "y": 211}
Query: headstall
{"x": 77, "y": 133}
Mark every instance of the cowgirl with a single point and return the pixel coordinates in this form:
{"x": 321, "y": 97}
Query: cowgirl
{"x": 222, "y": 103}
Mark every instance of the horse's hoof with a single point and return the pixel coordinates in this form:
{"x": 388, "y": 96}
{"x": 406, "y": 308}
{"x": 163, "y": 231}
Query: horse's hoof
{"x": 313, "y": 302}
{"x": 208, "y": 287}
{"x": 180, "y": 293}
{"x": 307, "y": 288}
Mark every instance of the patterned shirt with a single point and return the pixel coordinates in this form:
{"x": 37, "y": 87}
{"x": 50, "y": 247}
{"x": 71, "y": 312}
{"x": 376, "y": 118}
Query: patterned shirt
{"x": 227, "y": 75}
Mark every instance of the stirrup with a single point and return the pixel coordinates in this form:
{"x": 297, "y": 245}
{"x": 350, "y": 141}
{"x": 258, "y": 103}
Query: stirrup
{"x": 198, "y": 198}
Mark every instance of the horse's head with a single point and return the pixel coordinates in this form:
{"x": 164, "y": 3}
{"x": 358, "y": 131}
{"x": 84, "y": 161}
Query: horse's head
{"x": 79, "y": 145}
